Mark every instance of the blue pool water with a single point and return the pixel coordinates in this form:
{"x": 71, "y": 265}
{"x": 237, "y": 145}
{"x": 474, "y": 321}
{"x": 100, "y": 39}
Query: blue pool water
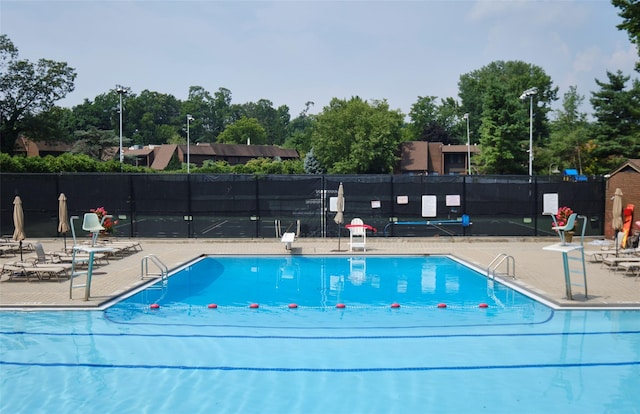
{"x": 516, "y": 355}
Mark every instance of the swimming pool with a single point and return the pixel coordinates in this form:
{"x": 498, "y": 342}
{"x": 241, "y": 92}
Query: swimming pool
{"x": 514, "y": 355}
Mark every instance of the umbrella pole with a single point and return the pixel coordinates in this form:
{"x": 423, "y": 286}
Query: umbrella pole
{"x": 64, "y": 237}
{"x": 20, "y": 250}
{"x": 338, "y": 237}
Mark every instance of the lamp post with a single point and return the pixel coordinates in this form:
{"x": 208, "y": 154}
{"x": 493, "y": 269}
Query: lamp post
{"x": 189, "y": 119}
{"x": 529, "y": 94}
{"x": 466, "y": 116}
{"x": 121, "y": 90}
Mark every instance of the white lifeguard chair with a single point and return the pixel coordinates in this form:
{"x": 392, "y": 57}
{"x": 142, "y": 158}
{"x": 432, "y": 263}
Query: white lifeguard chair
{"x": 357, "y": 235}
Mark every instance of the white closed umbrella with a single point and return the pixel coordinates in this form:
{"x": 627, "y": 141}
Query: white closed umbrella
{"x": 18, "y": 222}
{"x": 339, "y": 218}
{"x": 616, "y": 212}
{"x": 63, "y": 218}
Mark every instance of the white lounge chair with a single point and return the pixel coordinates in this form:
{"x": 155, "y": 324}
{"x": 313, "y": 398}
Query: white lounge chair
{"x": 606, "y": 248}
{"x": 614, "y": 261}
{"x": 28, "y": 270}
{"x": 122, "y": 246}
{"x": 630, "y": 268}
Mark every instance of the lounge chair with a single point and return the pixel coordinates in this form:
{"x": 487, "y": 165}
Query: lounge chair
{"x": 122, "y": 246}
{"x": 571, "y": 221}
{"x": 357, "y": 235}
{"x": 614, "y": 261}
{"x": 27, "y": 270}
{"x": 81, "y": 258}
{"x": 607, "y": 248}
{"x": 6, "y": 249}
{"x": 630, "y": 268}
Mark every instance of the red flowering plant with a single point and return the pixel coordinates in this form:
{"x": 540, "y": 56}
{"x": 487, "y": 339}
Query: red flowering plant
{"x": 108, "y": 222}
{"x": 562, "y": 216}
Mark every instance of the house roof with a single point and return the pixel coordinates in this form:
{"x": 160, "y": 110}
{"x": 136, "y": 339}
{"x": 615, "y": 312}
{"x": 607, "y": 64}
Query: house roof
{"x": 460, "y": 149}
{"x": 163, "y": 155}
{"x": 137, "y": 151}
{"x": 631, "y": 163}
{"x": 239, "y": 150}
{"x": 252, "y": 151}
{"x": 33, "y": 148}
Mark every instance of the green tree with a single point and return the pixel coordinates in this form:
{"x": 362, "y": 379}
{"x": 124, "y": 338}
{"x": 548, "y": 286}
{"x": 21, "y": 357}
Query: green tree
{"x": 94, "y": 142}
{"x": 503, "y": 151}
{"x": 26, "y": 90}
{"x": 101, "y": 113}
{"x": 299, "y": 131}
{"x": 274, "y": 121}
{"x": 436, "y": 123}
{"x": 311, "y": 164}
{"x": 244, "y": 131}
{"x": 630, "y": 13}
{"x": 487, "y": 94}
{"x": 356, "y": 137}
{"x": 570, "y": 145}
{"x": 151, "y": 117}
{"x": 617, "y": 131}
{"x": 198, "y": 105}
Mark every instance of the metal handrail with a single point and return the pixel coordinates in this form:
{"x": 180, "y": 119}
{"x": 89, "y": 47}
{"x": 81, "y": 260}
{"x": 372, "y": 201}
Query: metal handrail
{"x": 144, "y": 268}
{"x": 497, "y": 261}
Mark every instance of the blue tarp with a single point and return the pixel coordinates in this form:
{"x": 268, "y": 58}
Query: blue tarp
{"x": 572, "y": 174}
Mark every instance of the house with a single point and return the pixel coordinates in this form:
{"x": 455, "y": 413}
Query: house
{"x": 29, "y": 148}
{"x": 234, "y": 154}
{"x": 158, "y": 157}
{"x": 422, "y": 157}
{"x": 627, "y": 178}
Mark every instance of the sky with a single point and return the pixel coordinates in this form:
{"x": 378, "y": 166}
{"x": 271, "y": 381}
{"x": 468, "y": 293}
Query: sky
{"x": 293, "y": 52}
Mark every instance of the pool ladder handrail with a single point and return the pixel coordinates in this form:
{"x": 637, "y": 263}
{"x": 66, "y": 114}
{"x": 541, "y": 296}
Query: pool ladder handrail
{"x": 144, "y": 268}
{"x": 497, "y": 261}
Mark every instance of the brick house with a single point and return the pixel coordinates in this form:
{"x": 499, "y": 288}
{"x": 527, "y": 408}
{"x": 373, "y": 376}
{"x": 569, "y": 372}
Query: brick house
{"x": 627, "y": 178}
{"x": 422, "y": 157}
{"x": 158, "y": 157}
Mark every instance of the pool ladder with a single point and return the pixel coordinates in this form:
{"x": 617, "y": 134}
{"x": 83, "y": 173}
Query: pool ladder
{"x": 163, "y": 271}
{"x": 499, "y": 260}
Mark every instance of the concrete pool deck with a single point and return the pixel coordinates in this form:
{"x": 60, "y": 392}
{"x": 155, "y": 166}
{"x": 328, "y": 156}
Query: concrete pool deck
{"x": 536, "y": 270}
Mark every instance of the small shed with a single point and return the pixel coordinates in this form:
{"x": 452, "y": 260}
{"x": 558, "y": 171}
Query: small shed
{"x": 627, "y": 178}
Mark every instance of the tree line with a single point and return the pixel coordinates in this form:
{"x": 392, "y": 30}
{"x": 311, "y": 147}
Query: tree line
{"x": 347, "y": 136}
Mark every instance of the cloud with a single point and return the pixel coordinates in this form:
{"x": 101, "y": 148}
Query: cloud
{"x": 623, "y": 59}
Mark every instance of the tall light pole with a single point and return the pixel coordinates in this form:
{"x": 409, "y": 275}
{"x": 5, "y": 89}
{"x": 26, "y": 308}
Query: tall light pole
{"x": 121, "y": 90}
{"x": 189, "y": 119}
{"x": 529, "y": 94}
{"x": 466, "y": 116}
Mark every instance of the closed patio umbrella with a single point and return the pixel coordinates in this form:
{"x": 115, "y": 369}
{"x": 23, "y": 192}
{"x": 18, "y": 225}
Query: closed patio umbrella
{"x": 616, "y": 221}
{"x": 63, "y": 218}
{"x": 18, "y": 222}
{"x": 339, "y": 218}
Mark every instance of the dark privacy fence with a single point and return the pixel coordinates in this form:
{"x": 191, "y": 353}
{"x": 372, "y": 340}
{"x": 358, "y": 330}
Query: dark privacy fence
{"x": 247, "y": 206}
